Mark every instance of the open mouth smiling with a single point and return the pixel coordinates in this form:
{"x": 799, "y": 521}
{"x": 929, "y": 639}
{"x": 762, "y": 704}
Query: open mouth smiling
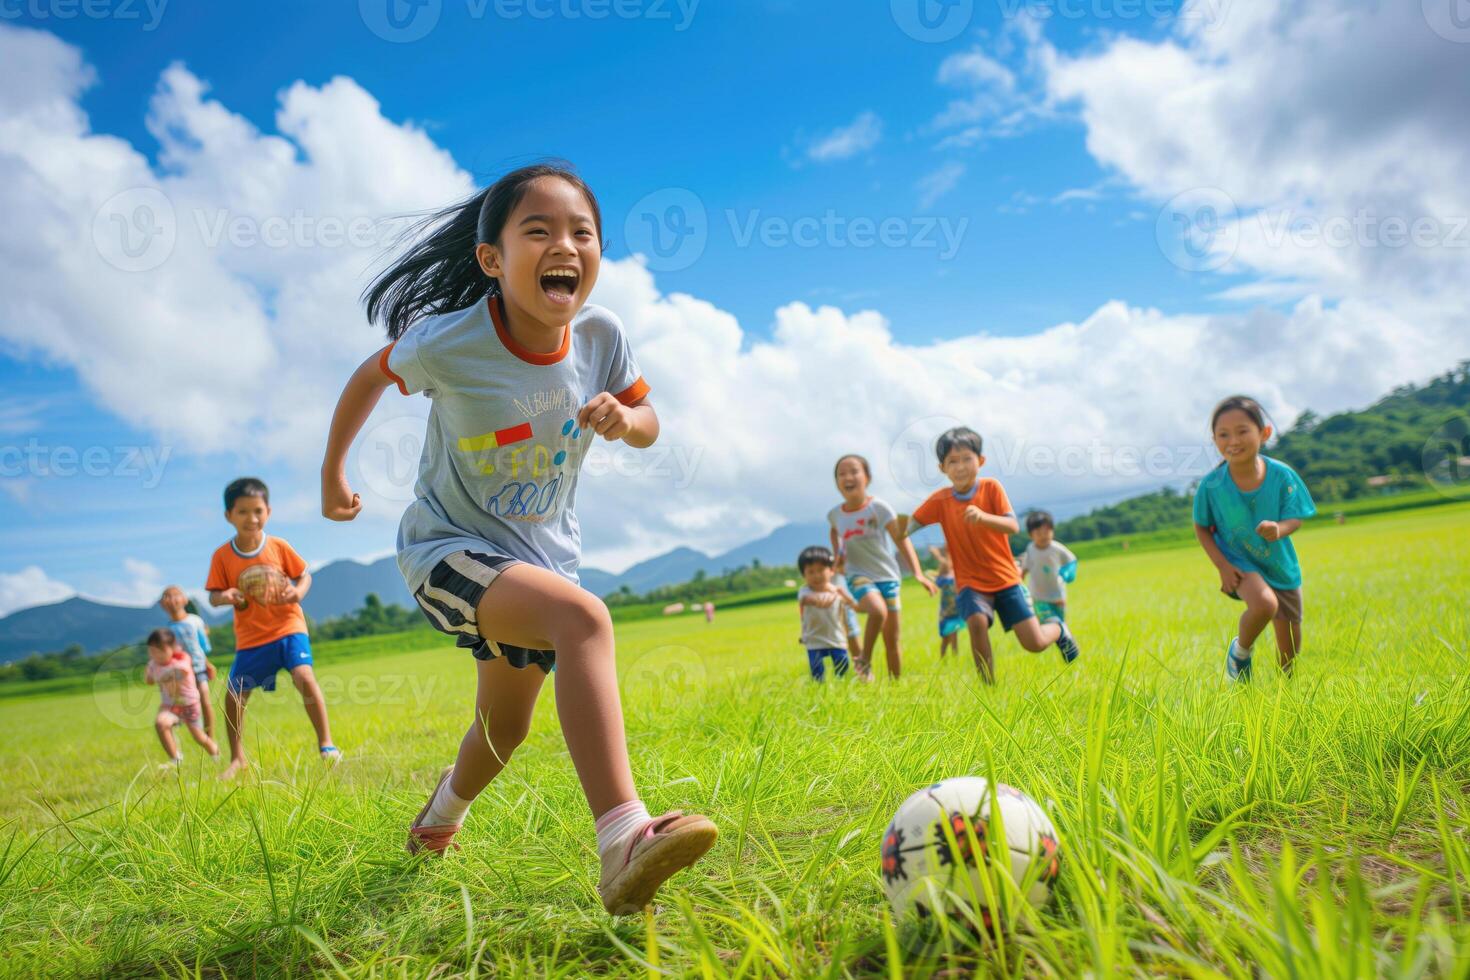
{"x": 559, "y": 283}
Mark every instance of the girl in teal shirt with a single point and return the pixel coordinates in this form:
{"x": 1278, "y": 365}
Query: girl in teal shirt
{"x": 1245, "y": 512}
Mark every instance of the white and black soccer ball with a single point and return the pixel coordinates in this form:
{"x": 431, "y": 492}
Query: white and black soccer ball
{"x": 927, "y": 870}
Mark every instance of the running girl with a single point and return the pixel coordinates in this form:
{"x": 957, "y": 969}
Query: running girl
{"x": 1245, "y": 511}
{"x": 487, "y": 317}
{"x": 865, "y": 532}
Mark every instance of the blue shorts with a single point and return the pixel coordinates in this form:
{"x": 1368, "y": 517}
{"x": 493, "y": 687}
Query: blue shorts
{"x": 256, "y": 666}
{"x": 837, "y": 655}
{"x": 201, "y": 677}
{"x": 1010, "y": 604}
{"x": 887, "y": 588}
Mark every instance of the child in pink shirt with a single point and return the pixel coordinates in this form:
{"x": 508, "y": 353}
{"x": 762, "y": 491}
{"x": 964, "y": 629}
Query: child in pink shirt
{"x": 173, "y": 671}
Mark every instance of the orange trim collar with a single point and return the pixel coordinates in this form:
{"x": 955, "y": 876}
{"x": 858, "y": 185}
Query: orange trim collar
{"x": 497, "y": 315}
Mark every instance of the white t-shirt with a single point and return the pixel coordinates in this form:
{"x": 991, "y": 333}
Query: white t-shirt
{"x": 822, "y": 627}
{"x": 503, "y": 448}
{"x": 1043, "y": 570}
{"x": 862, "y": 536}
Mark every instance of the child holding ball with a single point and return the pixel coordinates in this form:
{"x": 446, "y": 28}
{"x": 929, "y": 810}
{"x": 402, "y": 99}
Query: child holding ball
{"x": 1245, "y": 511}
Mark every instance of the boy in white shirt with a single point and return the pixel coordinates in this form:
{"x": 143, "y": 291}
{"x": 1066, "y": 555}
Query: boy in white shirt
{"x": 1048, "y": 566}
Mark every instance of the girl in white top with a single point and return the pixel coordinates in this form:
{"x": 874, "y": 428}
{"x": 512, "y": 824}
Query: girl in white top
{"x": 865, "y": 534}
{"x": 487, "y": 317}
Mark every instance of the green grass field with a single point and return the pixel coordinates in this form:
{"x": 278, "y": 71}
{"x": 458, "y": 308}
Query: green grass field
{"x": 1316, "y": 827}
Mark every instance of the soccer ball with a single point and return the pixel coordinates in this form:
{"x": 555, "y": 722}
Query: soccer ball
{"x": 933, "y": 850}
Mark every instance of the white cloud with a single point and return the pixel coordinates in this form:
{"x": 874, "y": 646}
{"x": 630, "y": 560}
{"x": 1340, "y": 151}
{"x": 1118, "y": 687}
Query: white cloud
{"x": 30, "y": 586}
{"x": 242, "y": 254}
{"x": 932, "y": 186}
{"x": 140, "y": 584}
{"x": 858, "y": 136}
{"x": 1322, "y": 123}
{"x": 976, "y": 68}
{"x": 997, "y": 101}
{"x": 1063, "y": 409}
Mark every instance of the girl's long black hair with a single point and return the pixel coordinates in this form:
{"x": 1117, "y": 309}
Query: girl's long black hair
{"x": 439, "y": 272}
{"x": 1240, "y": 403}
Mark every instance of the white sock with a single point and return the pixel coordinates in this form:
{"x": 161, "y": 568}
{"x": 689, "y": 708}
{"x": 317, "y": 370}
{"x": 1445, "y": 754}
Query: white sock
{"x": 447, "y": 808}
{"x": 618, "y": 824}
{"x": 1242, "y": 649}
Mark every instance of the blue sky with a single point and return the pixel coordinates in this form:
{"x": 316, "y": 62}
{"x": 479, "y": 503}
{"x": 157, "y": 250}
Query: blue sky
{"x": 1012, "y": 133}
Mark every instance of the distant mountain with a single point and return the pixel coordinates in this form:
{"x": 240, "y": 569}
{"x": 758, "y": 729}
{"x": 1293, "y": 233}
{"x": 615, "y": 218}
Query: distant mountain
{"x": 598, "y": 582}
{"x": 678, "y": 565}
{"x": 94, "y": 625}
{"x": 338, "y": 588}
{"x": 780, "y": 547}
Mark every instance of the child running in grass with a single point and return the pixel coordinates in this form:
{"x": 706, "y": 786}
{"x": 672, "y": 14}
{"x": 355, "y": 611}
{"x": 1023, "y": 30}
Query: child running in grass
{"x": 1245, "y": 511}
{"x": 864, "y": 535}
{"x": 193, "y": 636}
{"x": 950, "y": 621}
{"x": 270, "y": 628}
{"x": 487, "y": 316}
{"x": 977, "y": 519}
{"x": 822, "y": 603}
{"x": 173, "y": 671}
{"x": 1048, "y": 566}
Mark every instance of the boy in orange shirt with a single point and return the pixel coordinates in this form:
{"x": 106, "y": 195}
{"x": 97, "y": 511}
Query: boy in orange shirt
{"x": 270, "y": 629}
{"x": 977, "y": 518}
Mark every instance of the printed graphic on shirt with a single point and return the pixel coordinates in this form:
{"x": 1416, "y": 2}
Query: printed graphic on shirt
{"x": 530, "y": 458}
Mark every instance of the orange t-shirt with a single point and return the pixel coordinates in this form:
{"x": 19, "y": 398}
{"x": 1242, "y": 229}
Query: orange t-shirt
{"x": 982, "y": 557}
{"x": 258, "y": 624}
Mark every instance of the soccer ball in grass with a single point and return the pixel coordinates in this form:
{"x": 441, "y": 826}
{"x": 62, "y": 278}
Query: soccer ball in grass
{"x": 944, "y": 839}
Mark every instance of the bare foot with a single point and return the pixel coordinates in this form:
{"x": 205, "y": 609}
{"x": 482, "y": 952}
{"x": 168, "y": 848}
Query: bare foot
{"x": 235, "y": 767}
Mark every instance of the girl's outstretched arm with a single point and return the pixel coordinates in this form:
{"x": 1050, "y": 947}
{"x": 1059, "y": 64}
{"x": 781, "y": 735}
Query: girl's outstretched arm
{"x": 910, "y": 555}
{"x": 363, "y": 390}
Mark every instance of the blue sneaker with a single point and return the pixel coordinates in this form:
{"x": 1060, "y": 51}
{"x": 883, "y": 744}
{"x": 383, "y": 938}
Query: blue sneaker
{"x": 1067, "y": 643}
{"x": 1237, "y": 668}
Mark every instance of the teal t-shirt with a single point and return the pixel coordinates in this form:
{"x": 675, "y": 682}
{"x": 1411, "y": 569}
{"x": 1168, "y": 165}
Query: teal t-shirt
{"x": 1232, "y": 515}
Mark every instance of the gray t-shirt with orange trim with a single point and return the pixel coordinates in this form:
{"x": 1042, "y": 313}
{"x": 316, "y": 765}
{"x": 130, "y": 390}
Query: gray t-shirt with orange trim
{"x": 862, "y": 535}
{"x": 502, "y": 452}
